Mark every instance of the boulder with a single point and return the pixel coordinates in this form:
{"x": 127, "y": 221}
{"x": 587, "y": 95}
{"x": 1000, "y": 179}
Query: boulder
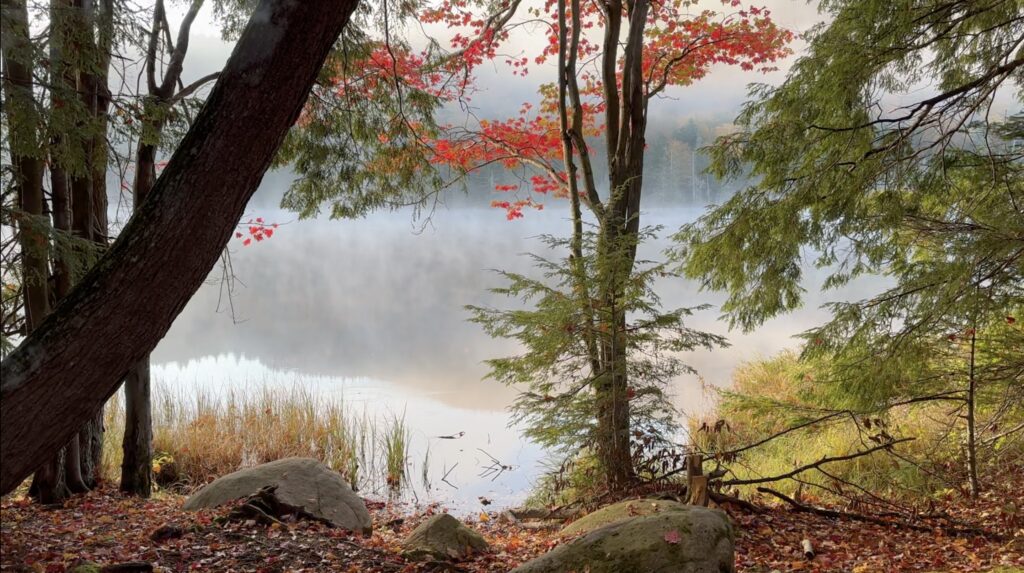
{"x": 302, "y": 483}
{"x": 619, "y": 511}
{"x": 690, "y": 539}
{"x": 443, "y": 537}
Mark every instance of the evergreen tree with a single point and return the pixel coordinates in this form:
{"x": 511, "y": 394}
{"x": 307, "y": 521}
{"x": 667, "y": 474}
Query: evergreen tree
{"x": 556, "y": 374}
{"x": 928, "y": 194}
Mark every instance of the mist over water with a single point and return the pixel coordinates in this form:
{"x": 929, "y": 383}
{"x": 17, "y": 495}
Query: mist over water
{"x": 374, "y": 309}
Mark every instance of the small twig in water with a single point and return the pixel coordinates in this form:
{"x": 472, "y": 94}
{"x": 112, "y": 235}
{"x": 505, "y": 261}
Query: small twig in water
{"x": 445, "y": 477}
{"x": 495, "y": 469}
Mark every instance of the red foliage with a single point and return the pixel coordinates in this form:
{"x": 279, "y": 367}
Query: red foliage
{"x": 255, "y": 230}
{"x": 681, "y": 47}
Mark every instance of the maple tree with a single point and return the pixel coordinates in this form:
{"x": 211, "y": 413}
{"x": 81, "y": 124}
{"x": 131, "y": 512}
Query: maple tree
{"x": 368, "y": 137}
{"x": 255, "y": 230}
{"x": 605, "y": 87}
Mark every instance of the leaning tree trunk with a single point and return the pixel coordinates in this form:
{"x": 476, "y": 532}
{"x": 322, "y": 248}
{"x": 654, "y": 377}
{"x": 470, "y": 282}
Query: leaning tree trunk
{"x": 60, "y": 375}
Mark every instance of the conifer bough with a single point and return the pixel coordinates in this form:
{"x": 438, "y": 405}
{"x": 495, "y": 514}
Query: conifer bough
{"x": 57, "y": 378}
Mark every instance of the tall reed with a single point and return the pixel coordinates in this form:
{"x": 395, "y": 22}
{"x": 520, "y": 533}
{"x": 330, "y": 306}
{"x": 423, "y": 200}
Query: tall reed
{"x": 199, "y": 434}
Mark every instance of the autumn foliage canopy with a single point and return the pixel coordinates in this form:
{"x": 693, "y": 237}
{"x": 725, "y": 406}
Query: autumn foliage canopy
{"x": 682, "y": 44}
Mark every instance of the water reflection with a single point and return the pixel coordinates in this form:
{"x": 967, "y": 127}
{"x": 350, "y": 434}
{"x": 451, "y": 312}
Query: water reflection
{"x": 450, "y": 446}
{"x": 374, "y": 307}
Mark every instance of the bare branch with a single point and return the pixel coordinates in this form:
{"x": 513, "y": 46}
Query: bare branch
{"x": 821, "y": 462}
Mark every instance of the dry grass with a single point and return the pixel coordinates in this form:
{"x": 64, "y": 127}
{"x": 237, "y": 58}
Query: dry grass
{"x": 199, "y": 435}
{"x": 930, "y": 464}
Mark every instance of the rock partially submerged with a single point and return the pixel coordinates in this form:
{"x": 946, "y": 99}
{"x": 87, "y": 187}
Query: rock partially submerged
{"x": 303, "y": 483}
{"x": 620, "y": 511}
{"x": 443, "y": 537}
{"x": 689, "y": 539}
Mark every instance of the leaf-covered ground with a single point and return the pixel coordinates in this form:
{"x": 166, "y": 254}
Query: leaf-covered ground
{"x": 107, "y": 528}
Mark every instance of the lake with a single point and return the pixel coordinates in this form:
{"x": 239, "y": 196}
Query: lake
{"x": 372, "y": 310}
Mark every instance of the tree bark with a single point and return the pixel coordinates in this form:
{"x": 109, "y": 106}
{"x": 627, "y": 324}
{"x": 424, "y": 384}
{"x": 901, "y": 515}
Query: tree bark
{"x": 626, "y": 121}
{"x": 75, "y": 199}
{"x": 60, "y": 375}
{"x": 136, "y": 472}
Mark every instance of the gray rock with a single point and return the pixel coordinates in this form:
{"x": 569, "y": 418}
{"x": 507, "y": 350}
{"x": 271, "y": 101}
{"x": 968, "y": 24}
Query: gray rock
{"x": 443, "y": 537}
{"x": 684, "y": 540}
{"x": 301, "y": 483}
{"x": 619, "y": 511}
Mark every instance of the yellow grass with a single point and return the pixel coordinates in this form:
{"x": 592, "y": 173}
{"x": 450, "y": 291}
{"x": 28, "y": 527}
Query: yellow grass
{"x": 199, "y": 436}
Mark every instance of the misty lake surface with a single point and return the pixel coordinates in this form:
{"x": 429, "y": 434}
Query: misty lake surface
{"x": 372, "y": 311}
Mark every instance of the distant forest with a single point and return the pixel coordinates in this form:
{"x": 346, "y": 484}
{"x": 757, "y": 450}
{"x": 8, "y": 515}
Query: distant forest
{"x": 674, "y": 167}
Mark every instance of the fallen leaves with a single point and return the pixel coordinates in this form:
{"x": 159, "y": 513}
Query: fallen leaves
{"x": 105, "y": 527}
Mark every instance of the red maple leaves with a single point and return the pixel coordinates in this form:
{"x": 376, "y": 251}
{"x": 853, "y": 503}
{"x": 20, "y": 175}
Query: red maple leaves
{"x": 681, "y": 47}
{"x": 255, "y": 230}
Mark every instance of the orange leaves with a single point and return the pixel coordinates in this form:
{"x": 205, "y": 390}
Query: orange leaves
{"x": 683, "y": 49}
{"x": 514, "y": 209}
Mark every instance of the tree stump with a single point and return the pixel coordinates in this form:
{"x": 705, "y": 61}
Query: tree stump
{"x": 696, "y": 481}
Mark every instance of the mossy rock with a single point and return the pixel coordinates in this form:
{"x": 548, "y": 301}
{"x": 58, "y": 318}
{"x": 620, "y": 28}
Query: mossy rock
{"x": 681, "y": 540}
{"x": 443, "y": 537}
{"x": 620, "y": 511}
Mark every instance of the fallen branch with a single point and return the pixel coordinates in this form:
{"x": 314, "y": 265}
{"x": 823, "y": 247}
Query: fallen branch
{"x": 835, "y": 514}
{"x": 265, "y": 507}
{"x": 821, "y": 462}
{"x": 721, "y": 498}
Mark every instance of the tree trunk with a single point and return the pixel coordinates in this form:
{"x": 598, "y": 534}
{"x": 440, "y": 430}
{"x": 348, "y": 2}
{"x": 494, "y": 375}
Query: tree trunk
{"x": 62, "y": 474}
{"x": 972, "y": 446}
{"x": 626, "y": 124}
{"x": 137, "y": 447}
{"x": 90, "y": 435}
{"x": 61, "y": 374}
{"x": 611, "y": 390}
{"x": 90, "y": 440}
{"x": 26, "y": 161}
{"x": 136, "y": 466}
{"x": 27, "y": 170}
